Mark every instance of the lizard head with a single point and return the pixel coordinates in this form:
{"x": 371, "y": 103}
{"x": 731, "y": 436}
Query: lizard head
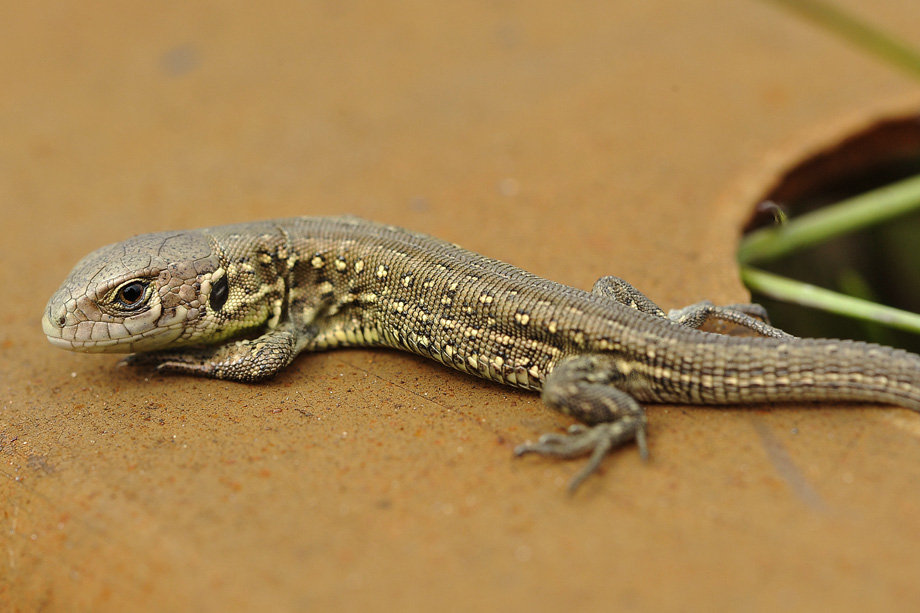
{"x": 146, "y": 293}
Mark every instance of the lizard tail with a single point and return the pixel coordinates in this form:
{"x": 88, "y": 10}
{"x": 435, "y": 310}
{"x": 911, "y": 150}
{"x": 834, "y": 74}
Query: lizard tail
{"x": 802, "y": 370}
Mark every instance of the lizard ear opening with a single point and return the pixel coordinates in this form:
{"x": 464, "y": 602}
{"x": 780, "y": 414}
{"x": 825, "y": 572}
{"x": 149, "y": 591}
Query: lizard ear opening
{"x": 219, "y": 292}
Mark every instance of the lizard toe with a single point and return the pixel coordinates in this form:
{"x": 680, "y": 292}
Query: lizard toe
{"x": 597, "y": 440}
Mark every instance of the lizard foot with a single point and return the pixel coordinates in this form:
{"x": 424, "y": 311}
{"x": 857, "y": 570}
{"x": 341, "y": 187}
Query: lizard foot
{"x": 247, "y": 360}
{"x": 598, "y": 440}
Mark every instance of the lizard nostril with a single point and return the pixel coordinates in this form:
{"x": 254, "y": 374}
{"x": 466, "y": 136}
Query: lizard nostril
{"x": 62, "y": 320}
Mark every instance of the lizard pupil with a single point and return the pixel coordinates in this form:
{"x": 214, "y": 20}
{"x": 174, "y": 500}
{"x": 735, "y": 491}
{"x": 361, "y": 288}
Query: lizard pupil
{"x": 219, "y": 292}
{"x": 131, "y": 294}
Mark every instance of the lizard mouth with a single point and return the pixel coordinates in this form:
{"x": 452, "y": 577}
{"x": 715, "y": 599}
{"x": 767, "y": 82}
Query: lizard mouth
{"x": 57, "y": 336}
{"x": 80, "y": 336}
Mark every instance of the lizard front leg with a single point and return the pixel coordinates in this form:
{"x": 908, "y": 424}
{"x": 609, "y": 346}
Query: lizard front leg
{"x": 585, "y": 387}
{"x": 750, "y": 316}
{"x": 247, "y": 360}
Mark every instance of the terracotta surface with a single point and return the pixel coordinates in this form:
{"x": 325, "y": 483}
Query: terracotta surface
{"x": 626, "y": 138}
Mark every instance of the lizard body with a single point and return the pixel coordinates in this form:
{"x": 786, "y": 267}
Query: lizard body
{"x": 240, "y": 302}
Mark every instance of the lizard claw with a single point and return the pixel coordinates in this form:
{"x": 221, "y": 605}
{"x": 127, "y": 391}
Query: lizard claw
{"x": 598, "y": 440}
{"x": 153, "y": 360}
{"x": 133, "y": 359}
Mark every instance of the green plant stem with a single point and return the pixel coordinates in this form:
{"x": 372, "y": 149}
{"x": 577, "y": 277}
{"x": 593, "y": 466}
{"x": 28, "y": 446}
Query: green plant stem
{"x": 808, "y": 295}
{"x": 852, "y": 214}
{"x": 854, "y": 30}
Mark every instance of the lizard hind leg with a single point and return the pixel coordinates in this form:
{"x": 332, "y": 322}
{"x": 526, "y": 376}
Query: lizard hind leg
{"x": 585, "y": 388}
{"x": 750, "y": 316}
{"x": 623, "y": 292}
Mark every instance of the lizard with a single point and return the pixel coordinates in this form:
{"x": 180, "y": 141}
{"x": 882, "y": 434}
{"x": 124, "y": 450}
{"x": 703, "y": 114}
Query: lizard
{"x": 239, "y": 302}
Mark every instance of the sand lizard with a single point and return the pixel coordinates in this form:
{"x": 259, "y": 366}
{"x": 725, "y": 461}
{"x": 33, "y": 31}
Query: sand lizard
{"x": 239, "y": 302}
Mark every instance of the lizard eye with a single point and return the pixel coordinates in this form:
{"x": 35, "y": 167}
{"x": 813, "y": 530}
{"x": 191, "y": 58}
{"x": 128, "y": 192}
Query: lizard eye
{"x": 219, "y": 292}
{"x": 131, "y": 295}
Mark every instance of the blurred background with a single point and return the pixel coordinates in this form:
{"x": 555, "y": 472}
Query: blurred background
{"x": 577, "y": 140}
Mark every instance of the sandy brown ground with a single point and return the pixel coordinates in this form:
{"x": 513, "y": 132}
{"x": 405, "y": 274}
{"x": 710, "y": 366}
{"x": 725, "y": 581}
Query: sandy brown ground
{"x": 578, "y": 140}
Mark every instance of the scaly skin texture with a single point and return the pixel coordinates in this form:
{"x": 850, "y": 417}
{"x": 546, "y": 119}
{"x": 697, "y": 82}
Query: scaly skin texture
{"x": 240, "y": 302}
